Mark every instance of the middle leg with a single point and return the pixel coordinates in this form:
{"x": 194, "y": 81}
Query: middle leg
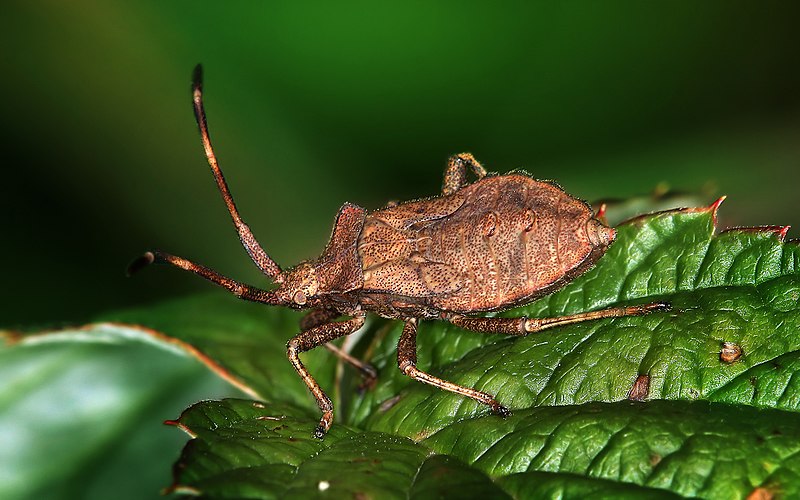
{"x": 407, "y": 362}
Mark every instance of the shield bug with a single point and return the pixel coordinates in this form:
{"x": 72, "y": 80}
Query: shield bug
{"x": 498, "y": 242}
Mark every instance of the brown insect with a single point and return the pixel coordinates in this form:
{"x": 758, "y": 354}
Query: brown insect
{"x": 496, "y": 243}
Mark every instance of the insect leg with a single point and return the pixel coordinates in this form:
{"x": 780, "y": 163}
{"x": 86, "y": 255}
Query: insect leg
{"x": 524, "y": 326}
{"x": 407, "y": 362}
{"x": 308, "y": 340}
{"x": 319, "y": 317}
{"x": 257, "y": 254}
{"x": 241, "y": 290}
{"x": 455, "y": 175}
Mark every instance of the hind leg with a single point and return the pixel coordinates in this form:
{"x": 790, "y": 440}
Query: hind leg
{"x": 455, "y": 174}
{"x": 524, "y": 326}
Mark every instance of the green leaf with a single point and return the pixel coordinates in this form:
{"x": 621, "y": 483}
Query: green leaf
{"x": 771, "y": 384}
{"x": 240, "y": 448}
{"x": 81, "y": 412}
{"x": 698, "y": 448}
{"x": 443, "y": 476}
{"x": 626, "y": 449}
{"x": 244, "y": 449}
{"x": 247, "y": 449}
{"x": 561, "y": 485}
{"x": 660, "y": 199}
{"x": 246, "y": 342}
{"x": 713, "y": 379}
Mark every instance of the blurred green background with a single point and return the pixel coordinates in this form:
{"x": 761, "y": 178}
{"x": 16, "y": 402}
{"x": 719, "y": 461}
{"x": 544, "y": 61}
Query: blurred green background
{"x": 314, "y": 104}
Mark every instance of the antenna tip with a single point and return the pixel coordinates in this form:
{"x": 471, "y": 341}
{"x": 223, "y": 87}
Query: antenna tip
{"x": 141, "y": 262}
{"x": 197, "y": 77}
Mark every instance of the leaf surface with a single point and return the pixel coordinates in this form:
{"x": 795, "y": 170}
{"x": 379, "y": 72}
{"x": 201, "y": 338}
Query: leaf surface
{"x": 660, "y": 449}
{"x": 246, "y": 342}
{"x": 82, "y": 408}
{"x": 698, "y": 401}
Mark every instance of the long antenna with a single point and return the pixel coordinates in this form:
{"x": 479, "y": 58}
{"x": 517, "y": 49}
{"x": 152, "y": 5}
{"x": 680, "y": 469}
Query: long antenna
{"x": 257, "y": 254}
{"x": 241, "y": 290}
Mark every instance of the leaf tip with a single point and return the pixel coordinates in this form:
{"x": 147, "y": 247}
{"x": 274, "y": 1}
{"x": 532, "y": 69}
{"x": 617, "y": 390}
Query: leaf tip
{"x": 714, "y": 208}
{"x": 779, "y": 232}
{"x": 601, "y": 213}
{"x": 181, "y": 426}
{"x": 716, "y": 204}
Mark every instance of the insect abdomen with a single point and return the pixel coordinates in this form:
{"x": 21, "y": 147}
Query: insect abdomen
{"x": 512, "y": 238}
{"x": 505, "y": 239}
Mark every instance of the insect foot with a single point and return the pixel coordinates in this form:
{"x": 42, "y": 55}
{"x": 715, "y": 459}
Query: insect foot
{"x": 501, "y": 410}
{"x": 324, "y": 425}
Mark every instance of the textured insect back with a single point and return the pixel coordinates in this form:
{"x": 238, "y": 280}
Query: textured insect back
{"x": 391, "y": 248}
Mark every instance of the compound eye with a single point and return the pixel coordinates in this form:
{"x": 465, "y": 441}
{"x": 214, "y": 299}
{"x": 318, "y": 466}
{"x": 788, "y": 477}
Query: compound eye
{"x": 299, "y": 298}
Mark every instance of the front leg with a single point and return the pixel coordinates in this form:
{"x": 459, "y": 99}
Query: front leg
{"x": 319, "y": 317}
{"x": 455, "y": 175}
{"x": 305, "y": 342}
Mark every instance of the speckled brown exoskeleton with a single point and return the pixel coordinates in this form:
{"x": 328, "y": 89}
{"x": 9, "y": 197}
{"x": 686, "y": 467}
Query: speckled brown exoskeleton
{"x": 489, "y": 245}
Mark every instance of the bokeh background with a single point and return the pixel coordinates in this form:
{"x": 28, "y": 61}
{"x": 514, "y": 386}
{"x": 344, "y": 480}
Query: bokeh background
{"x": 314, "y": 104}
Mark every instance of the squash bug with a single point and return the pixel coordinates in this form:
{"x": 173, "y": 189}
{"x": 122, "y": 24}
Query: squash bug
{"x": 498, "y": 242}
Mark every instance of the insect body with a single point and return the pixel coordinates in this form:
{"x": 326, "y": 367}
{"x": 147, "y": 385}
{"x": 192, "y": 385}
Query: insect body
{"x": 498, "y": 242}
{"x": 489, "y": 245}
